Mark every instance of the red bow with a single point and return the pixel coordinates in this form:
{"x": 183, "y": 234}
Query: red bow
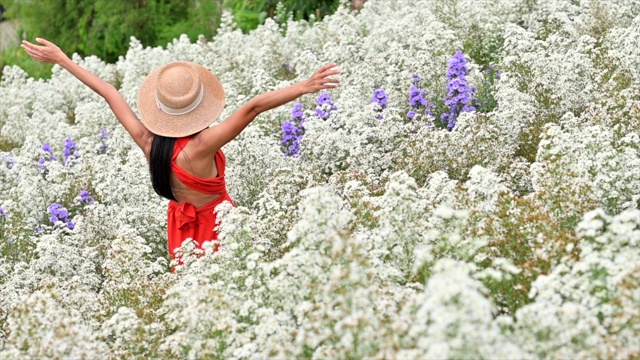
{"x": 185, "y": 214}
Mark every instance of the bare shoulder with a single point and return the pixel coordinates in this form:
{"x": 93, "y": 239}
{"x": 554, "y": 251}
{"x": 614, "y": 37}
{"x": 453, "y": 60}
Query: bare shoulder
{"x": 206, "y": 141}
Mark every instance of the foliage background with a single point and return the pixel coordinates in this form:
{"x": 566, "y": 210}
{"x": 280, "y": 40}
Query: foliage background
{"x": 103, "y": 27}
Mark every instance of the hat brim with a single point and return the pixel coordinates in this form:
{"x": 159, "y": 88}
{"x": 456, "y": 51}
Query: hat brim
{"x": 161, "y": 123}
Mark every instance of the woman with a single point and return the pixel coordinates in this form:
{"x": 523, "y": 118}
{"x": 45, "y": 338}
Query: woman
{"x": 177, "y": 104}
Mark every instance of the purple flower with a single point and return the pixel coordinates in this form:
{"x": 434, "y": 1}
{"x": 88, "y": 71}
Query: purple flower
{"x": 9, "y": 160}
{"x": 70, "y": 150}
{"x": 414, "y": 91}
{"x": 291, "y": 138}
{"x": 59, "y": 213}
{"x": 380, "y": 97}
{"x": 293, "y": 131}
{"x": 297, "y": 111}
{"x": 41, "y": 166}
{"x": 47, "y": 148}
{"x": 46, "y": 155}
{"x": 417, "y": 99}
{"x": 325, "y": 106}
{"x": 459, "y": 94}
{"x": 85, "y": 197}
{"x": 104, "y": 135}
{"x": 324, "y": 98}
{"x": 3, "y": 214}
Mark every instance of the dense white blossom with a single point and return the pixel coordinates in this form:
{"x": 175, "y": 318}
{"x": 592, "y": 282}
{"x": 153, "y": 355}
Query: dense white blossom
{"x": 515, "y": 235}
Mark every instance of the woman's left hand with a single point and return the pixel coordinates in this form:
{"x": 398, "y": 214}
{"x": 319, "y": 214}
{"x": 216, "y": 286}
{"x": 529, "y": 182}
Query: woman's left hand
{"x": 320, "y": 80}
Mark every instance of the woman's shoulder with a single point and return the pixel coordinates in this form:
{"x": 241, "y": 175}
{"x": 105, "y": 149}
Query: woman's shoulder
{"x": 200, "y": 145}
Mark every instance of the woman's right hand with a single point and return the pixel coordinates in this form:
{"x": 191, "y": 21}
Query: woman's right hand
{"x": 47, "y": 53}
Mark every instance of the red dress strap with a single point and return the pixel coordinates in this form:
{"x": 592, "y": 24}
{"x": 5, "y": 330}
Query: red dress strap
{"x": 178, "y": 145}
{"x": 214, "y": 185}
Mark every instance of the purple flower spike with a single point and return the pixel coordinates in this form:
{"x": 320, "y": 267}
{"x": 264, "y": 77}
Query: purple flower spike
{"x": 104, "y": 135}
{"x": 293, "y": 131}
{"x": 46, "y": 155}
{"x": 70, "y": 150}
{"x": 380, "y": 98}
{"x": 417, "y": 99}
{"x": 3, "y": 214}
{"x": 459, "y": 94}
{"x": 325, "y": 106}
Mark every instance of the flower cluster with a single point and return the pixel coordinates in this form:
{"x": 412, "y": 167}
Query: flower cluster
{"x": 104, "y": 135}
{"x": 380, "y": 98}
{"x": 417, "y": 100}
{"x": 325, "y": 106}
{"x": 459, "y": 93}
{"x": 46, "y": 155}
{"x": 70, "y": 150}
{"x": 293, "y": 131}
{"x": 85, "y": 197}
{"x": 57, "y": 213}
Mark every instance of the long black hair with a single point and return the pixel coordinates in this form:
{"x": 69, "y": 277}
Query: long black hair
{"x": 160, "y": 165}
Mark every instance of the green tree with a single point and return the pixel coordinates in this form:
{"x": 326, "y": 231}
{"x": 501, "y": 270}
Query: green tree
{"x": 104, "y": 27}
{"x": 99, "y": 27}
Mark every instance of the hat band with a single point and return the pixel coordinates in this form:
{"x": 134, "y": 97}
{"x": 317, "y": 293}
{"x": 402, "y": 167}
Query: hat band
{"x": 185, "y": 110}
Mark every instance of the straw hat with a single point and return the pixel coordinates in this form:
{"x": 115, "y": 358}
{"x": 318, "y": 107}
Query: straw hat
{"x": 180, "y": 99}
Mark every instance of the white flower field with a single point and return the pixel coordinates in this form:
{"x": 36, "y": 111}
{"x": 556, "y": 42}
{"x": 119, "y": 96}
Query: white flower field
{"x": 508, "y": 228}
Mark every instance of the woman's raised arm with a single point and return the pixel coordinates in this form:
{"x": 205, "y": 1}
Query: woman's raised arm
{"x": 50, "y": 53}
{"x": 215, "y": 137}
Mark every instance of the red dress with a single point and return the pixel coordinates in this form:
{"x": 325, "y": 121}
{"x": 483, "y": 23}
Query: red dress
{"x": 185, "y": 220}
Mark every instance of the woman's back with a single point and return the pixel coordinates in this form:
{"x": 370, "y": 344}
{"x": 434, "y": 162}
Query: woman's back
{"x": 199, "y": 163}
